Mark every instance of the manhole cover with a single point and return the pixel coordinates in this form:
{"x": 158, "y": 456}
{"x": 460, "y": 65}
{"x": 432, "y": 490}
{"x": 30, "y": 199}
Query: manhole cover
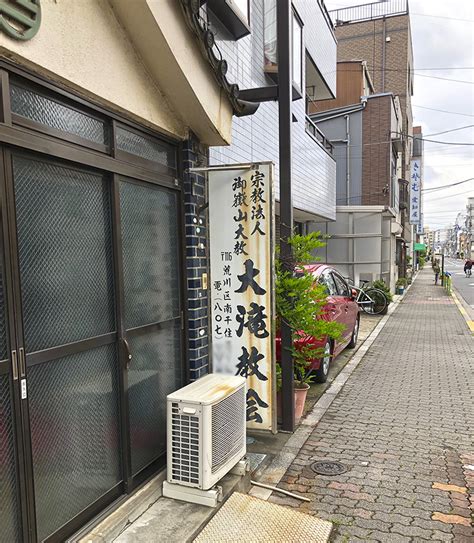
{"x": 328, "y": 467}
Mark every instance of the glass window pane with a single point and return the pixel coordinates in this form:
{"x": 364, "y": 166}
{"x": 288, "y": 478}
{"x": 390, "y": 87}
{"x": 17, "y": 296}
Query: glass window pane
{"x": 341, "y": 285}
{"x": 3, "y": 325}
{"x": 74, "y": 418}
{"x": 270, "y": 36}
{"x": 8, "y": 493}
{"x": 327, "y": 280}
{"x": 150, "y": 246}
{"x": 40, "y": 109}
{"x": 65, "y": 251}
{"x": 296, "y": 50}
{"x": 243, "y": 7}
{"x": 155, "y": 372}
{"x": 145, "y": 147}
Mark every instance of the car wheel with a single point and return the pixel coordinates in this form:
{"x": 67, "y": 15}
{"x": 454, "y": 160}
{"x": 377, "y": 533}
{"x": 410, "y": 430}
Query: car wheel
{"x": 355, "y": 333}
{"x": 322, "y": 373}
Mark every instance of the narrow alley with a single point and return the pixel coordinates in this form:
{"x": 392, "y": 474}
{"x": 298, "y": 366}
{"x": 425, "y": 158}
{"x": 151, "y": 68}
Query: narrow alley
{"x": 403, "y": 427}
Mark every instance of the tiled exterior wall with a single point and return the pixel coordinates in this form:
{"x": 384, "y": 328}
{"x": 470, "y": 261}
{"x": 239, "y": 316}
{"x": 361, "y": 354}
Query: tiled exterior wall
{"x": 255, "y": 138}
{"x": 197, "y": 260}
{"x": 376, "y": 153}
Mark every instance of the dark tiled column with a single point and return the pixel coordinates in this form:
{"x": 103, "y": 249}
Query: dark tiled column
{"x": 197, "y": 259}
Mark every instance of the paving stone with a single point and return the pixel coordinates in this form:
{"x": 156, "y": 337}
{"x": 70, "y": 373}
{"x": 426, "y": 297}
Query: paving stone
{"x": 451, "y": 519}
{"x": 392, "y": 517}
{"x": 412, "y": 512}
{"x": 463, "y": 538}
{"x": 375, "y": 525}
{"x": 450, "y": 488}
{"x": 437, "y": 535}
{"x": 412, "y": 531}
{"x": 395, "y": 538}
{"x": 344, "y": 486}
{"x": 467, "y": 531}
{"x": 432, "y": 525}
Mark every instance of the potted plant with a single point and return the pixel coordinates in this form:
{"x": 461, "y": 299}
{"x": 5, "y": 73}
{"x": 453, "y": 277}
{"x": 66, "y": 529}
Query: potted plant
{"x": 401, "y": 285}
{"x": 300, "y": 302}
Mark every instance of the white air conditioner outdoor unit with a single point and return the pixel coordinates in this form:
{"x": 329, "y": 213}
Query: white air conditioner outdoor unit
{"x": 206, "y": 430}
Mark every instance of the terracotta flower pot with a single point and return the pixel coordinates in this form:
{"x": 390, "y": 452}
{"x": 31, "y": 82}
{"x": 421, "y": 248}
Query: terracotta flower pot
{"x": 300, "y": 399}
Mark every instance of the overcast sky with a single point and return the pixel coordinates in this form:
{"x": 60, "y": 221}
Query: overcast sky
{"x": 443, "y": 38}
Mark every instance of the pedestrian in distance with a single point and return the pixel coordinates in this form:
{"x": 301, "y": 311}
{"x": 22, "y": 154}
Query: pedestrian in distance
{"x": 436, "y": 270}
{"x": 468, "y": 268}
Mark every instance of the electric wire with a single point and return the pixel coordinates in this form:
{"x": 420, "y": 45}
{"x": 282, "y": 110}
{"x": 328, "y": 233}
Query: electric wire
{"x": 452, "y": 130}
{"x": 443, "y": 111}
{"x": 433, "y": 189}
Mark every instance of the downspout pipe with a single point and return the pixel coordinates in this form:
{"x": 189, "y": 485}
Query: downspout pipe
{"x": 348, "y": 158}
{"x": 384, "y": 45}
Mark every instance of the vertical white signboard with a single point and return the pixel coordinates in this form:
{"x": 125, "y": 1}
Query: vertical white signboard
{"x": 242, "y": 302}
{"x": 415, "y": 192}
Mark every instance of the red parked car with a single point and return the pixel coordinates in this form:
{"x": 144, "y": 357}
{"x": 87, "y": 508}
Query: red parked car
{"x": 340, "y": 307}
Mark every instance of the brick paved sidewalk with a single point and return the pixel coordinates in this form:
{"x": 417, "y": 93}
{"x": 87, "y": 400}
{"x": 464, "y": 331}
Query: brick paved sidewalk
{"x": 404, "y": 426}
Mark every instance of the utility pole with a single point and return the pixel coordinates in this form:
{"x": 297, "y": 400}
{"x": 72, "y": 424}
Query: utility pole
{"x": 286, "y": 203}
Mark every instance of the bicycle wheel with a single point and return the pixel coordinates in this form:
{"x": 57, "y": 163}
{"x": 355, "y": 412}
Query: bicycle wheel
{"x": 378, "y": 302}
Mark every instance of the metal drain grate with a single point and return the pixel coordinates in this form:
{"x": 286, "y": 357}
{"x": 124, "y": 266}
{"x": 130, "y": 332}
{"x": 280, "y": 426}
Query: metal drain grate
{"x": 328, "y": 467}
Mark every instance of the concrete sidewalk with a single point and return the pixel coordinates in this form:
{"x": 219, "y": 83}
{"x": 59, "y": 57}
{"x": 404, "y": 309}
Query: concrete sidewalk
{"x": 403, "y": 427}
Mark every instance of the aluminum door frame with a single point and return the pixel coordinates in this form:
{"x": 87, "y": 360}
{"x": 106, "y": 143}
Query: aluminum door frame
{"x": 11, "y": 366}
{"x": 47, "y": 145}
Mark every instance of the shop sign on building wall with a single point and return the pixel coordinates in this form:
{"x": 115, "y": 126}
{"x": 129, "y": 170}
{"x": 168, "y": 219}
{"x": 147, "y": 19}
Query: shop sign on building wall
{"x": 241, "y": 219}
{"x": 415, "y": 192}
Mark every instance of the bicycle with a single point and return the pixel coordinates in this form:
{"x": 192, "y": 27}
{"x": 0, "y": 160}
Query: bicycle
{"x": 371, "y": 300}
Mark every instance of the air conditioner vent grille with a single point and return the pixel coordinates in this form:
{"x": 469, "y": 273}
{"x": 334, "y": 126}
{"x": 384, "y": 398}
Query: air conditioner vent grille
{"x": 184, "y": 446}
{"x": 228, "y": 431}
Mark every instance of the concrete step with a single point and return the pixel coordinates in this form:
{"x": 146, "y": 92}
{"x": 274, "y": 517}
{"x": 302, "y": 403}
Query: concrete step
{"x": 147, "y": 516}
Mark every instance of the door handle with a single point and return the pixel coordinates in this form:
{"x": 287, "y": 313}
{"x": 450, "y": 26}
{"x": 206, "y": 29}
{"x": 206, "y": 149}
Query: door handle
{"x": 22, "y": 362}
{"x": 127, "y": 353}
{"x": 14, "y": 366}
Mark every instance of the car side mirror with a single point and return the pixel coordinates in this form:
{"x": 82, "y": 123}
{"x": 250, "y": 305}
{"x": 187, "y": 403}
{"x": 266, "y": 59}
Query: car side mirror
{"x": 354, "y": 293}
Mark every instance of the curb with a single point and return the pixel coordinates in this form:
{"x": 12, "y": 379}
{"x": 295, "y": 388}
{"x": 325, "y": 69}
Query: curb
{"x": 462, "y": 310}
{"x": 282, "y": 461}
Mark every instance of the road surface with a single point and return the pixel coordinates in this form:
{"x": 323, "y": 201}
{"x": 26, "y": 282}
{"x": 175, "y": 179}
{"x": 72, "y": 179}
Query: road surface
{"x": 464, "y": 285}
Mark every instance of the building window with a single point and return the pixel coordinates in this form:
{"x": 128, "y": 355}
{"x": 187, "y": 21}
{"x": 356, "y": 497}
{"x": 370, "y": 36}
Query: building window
{"x": 233, "y": 14}
{"x": 271, "y": 46}
{"x": 270, "y": 37}
{"x": 243, "y": 7}
{"x": 297, "y": 50}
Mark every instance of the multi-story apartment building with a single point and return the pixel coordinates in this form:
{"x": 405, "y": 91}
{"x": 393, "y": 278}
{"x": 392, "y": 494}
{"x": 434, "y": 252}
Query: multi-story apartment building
{"x": 252, "y": 63}
{"x": 428, "y": 239}
{"x": 379, "y": 33}
{"x": 470, "y": 228}
{"x": 366, "y": 137}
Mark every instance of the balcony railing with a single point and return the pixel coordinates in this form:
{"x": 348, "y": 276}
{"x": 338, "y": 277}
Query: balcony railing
{"x": 314, "y": 131}
{"x": 367, "y": 12}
